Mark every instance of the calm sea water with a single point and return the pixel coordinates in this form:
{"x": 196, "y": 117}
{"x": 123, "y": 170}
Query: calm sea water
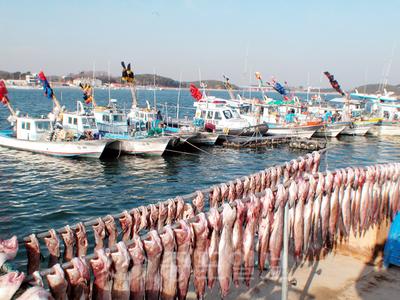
{"x": 41, "y": 192}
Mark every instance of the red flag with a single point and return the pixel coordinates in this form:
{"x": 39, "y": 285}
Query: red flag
{"x": 3, "y": 93}
{"x": 195, "y": 92}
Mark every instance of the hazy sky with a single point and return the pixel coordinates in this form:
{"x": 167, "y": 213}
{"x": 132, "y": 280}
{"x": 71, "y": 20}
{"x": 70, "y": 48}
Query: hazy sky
{"x": 291, "y": 40}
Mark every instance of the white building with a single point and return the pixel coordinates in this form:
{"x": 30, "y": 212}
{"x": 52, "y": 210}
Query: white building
{"x": 92, "y": 82}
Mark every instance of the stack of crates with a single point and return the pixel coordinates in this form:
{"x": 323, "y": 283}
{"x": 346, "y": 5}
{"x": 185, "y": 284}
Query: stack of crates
{"x": 391, "y": 254}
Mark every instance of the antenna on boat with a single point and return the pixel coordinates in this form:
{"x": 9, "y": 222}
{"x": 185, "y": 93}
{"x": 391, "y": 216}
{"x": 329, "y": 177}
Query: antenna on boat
{"x": 109, "y": 82}
{"x": 94, "y": 72}
{"x": 154, "y": 76}
{"x": 308, "y": 85}
{"x": 179, "y": 94}
{"x": 390, "y": 62}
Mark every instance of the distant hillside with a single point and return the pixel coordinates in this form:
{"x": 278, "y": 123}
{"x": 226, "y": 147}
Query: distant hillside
{"x": 140, "y": 79}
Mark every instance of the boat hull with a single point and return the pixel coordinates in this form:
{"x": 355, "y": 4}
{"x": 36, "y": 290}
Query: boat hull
{"x": 385, "y": 129}
{"x": 359, "y": 128}
{"x": 84, "y": 148}
{"x": 331, "y": 130}
{"x": 295, "y": 131}
{"x": 149, "y": 146}
{"x": 204, "y": 138}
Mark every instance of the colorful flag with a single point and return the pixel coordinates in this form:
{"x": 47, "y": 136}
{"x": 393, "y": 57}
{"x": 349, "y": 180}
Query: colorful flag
{"x": 88, "y": 92}
{"x": 280, "y": 89}
{"x": 3, "y": 93}
{"x": 127, "y": 74}
{"x": 260, "y": 82}
{"x": 48, "y": 91}
{"x": 334, "y": 84}
{"x": 227, "y": 84}
{"x": 195, "y": 92}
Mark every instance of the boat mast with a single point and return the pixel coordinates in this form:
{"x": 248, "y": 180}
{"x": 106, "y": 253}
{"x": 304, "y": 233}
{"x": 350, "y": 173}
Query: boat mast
{"x": 93, "y": 101}
{"x": 154, "y": 76}
{"x": 179, "y": 94}
{"x": 390, "y": 62}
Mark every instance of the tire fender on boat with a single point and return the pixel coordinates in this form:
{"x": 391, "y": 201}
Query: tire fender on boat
{"x": 312, "y": 146}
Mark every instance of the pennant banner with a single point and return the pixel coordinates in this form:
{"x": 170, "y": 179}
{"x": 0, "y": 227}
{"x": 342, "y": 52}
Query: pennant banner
{"x": 195, "y": 92}
{"x": 280, "y": 89}
{"x": 260, "y": 82}
{"x": 3, "y": 93}
{"x": 127, "y": 74}
{"x": 88, "y": 92}
{"x": 48, "y": 91}
{"x": 334, "y": 84}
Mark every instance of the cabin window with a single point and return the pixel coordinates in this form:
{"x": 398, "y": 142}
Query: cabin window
{"x": 26, "y": 125}
{"x": 69, "y": 120}
{"x": 210, "y": 114}
{"x": 76, "y": 121}
{"x": 203, "y": 115}
{"x": 244, "y": 110}
{"x": 217, "y": 116}
{"x": 228, "y": 114}
{"x": 42, "y": 126}
{"x": 118, "y": 118}
{"x": 89, "y": 123}
{"x": 106, "y": 118}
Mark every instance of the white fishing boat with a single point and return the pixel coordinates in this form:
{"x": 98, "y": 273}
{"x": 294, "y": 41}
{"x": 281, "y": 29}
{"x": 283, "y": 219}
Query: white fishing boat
{"x": 331, "y": 129}
{"x": 37, "y": 135}
{"x": 293, "y": 130}
{"x": 385, "y": 128}
{"x": 360, "y": 127}
{"x": 110, "y": 119}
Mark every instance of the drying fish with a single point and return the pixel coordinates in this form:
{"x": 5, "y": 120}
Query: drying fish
{"x": 252, "y": 187}
{"x": 188, "y": 211}
{"x": 279, "y": 172}
{"x": 136, "y": 218}
{"x": 99, "y": 232}
{"x": 162, "y": 215}
{"x": 302, "y": 166}
{"x": 293, "y": 194}
{"x": 79, "y": 279}
{"x": 268, "y": 201}
{"x": 224, "y": 192}
{"x": 225, "y": 249}
{"x": 10, "y": 283}
{"x": 248, "y": 239}
{"x": 69, "y": 243}
{"x": 273, "y": 177}
{"x": 326, "y": 204}
{"x": 215, "y": 196}
{"x": 8, "y": 249}
{"x": 126, "y": 223}
{"x": 37, "y": 279}
{"x": 298, "y": 229}
{"x": 200, "y": 255}
{"x": 183, "y": 237}
{"x": 143, "y": 218}
{"x": 309, "y": 163}
{"x": 365, "y": 199}
{"x": 286, "y": 172}
{"x": 121, "y": 261}
{"x": 112, "y": 231}
{"x": 317, "y": 207}
{"x": 334, "y": 205}
{"x": 214, "y": 222}
{"x": 153, "y": 217}
{"x": 317, "y": 160}
{"x": 246, "y": 186}
{"x": 53, "y": 245}
{"x": 36, "y": 292}
{"x": 198, "y": 202}
{"x": 171, "y": 212}
{"x": 237, "y": 240}
{"x": 137, "y": 255}
{"x": 257, "y": 183}
{"x": 239, "y": 188}
{"x": 231, "y": 192}
{"x": 34, "y": 255}
{"x": 58, "y": 284}
{"x": 308, "y": 211}
{"x": 295, "y": 169}
{"x": 276, "y": 238}
{"x": 101, "y": 272}
{"x": 82, "y": 243}
{"x": 346, "y": 203}
{"x": 180, "y": 203}
{"x": 263, "y": 180}
{"x": 168, "y": 268}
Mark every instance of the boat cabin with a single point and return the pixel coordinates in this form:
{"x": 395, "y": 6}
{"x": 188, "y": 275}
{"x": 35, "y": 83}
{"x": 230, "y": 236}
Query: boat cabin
{"x": 215, "y": 111}
{"x": 111, "y": 119}
{"x": 33, "y": 129}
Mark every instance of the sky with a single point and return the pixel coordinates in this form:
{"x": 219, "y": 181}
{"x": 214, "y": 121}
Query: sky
{"x": 295, "y": 41}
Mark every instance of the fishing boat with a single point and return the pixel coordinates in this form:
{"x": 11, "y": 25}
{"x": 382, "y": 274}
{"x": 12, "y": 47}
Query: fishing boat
{"x": 37, "y": 134}
{"x": 331, "y": 129}
{"x": 360, "y": 127}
